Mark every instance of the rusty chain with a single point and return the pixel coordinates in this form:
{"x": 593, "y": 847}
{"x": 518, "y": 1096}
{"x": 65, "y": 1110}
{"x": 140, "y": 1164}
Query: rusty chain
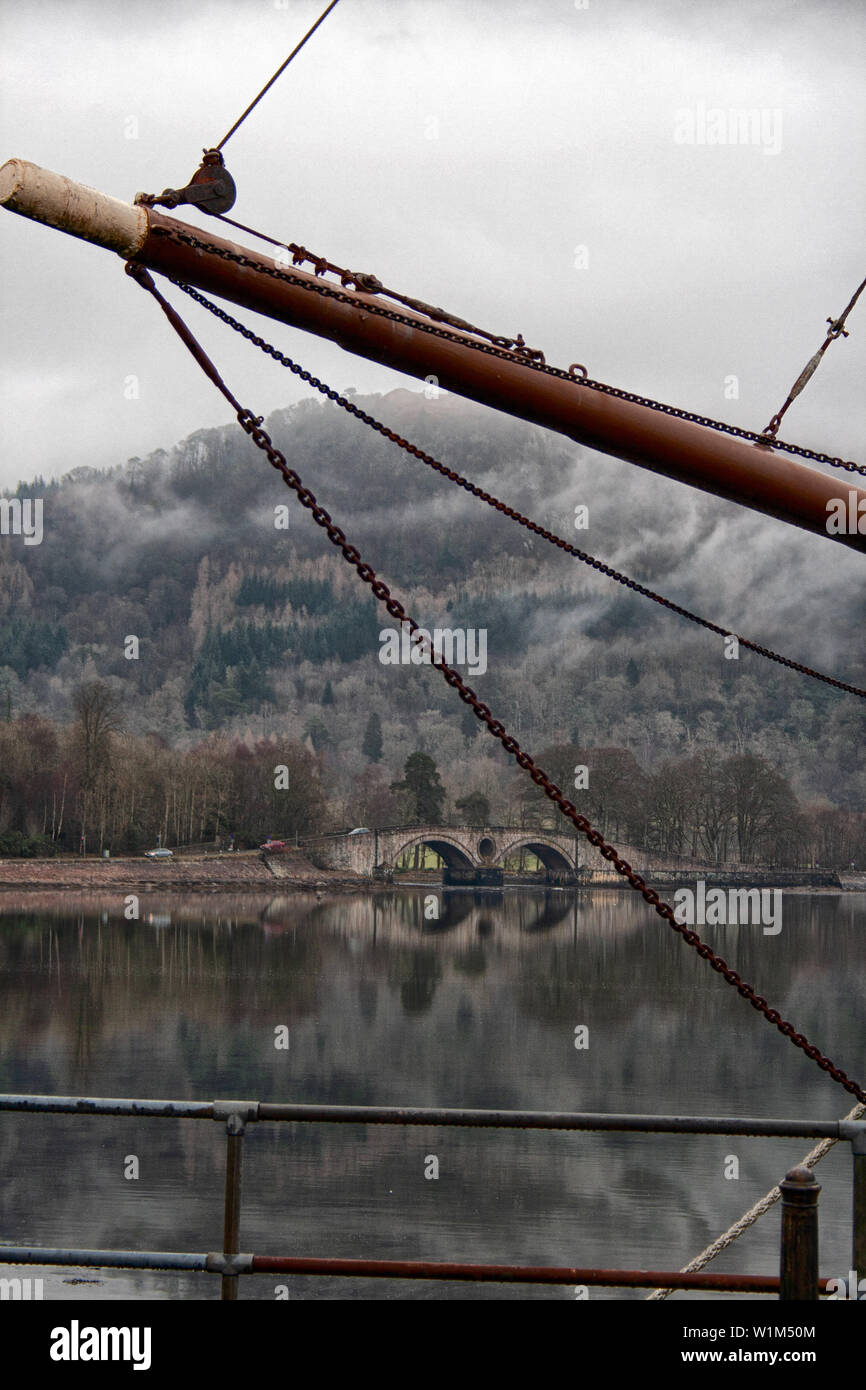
{"x": 510, "y": 349}
{"x": 495, "y": 502}
{"x": 252, "y": 425}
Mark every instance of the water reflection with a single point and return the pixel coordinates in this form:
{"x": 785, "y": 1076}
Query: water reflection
{"x": 384, "y": 1003}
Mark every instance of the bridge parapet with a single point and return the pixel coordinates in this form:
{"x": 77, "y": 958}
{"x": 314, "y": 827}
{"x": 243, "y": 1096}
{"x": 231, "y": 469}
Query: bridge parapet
{"x": 461, "y": 848}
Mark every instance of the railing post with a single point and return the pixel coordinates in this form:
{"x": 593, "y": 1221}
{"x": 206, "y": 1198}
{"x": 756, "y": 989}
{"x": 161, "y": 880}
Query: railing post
{"x": 858, "y": 1247}
{"x": 236, "y": 1114}
{"x": 798, "y": 1270}
{"x": 235, "y": 1128}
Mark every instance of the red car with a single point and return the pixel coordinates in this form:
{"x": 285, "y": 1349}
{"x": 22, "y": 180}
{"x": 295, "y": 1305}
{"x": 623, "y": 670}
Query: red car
{"x": 274, "y": 844}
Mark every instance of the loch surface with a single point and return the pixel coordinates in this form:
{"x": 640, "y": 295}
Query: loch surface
{"x": 380, "y": 1003}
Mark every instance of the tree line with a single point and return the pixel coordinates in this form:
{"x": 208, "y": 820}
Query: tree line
{"x": 90, "y": 784}
{"x": 709, "y": 806}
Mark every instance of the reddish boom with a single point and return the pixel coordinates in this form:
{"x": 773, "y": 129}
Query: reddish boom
{"x": 512, "y": 379}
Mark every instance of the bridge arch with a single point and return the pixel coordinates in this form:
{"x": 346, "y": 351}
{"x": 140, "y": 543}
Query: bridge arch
{"x": 553, "y": 858}
{"x": 451, "y": 853}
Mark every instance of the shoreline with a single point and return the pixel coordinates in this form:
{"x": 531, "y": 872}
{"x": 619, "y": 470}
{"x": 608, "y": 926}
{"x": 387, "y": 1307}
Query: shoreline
{"x": 248, "y": 871}
{"x": 252, "y": 871}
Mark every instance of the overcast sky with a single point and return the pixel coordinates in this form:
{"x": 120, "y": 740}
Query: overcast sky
{"x": 462, "y": 152}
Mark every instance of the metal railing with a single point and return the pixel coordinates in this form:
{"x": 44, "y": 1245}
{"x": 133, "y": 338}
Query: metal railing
{"x": 798, "y": 1277}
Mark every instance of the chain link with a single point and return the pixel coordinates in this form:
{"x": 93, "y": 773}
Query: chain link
{"x": 507, "y": 348}
{"x": 252, "y": 424}
{"x": 495, "y": 503}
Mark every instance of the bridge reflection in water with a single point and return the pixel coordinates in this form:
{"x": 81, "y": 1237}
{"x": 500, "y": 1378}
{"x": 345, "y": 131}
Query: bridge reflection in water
{"x": 538, "y": 913}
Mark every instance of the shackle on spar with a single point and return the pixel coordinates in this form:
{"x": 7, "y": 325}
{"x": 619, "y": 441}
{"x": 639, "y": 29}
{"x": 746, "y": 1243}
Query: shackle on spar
{"x": 211, "y": 188}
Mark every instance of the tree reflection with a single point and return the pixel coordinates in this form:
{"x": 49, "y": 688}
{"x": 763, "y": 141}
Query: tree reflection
{"x": 417, "y": 974}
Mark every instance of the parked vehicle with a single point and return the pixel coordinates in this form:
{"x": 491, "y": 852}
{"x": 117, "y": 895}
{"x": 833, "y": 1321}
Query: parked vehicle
{"x": 274, "y": 844}
{"x": 158, "y": 854}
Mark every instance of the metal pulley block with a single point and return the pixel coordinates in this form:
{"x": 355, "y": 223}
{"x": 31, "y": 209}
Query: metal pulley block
{"x": 211, "y": 188}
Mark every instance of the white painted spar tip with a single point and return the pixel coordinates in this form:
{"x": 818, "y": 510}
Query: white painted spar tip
{"x": 72, "y": 207}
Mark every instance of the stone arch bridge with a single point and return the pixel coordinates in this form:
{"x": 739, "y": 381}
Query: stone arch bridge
{"x": 469, "y": 854}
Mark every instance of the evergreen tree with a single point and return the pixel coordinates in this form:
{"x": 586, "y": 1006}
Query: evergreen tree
{"x": 372, "y": 744}
{"x": 475, "y": 808}
{"x": 469, "y": 724}
{"x": 318, "y": 734}
{"x": 422, "y": 782}
{"x": 328, "y": 694}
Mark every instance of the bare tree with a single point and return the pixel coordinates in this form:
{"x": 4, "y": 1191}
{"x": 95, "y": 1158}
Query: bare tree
{"x": 98, "y": 709}
{"x": 759, "y": 799}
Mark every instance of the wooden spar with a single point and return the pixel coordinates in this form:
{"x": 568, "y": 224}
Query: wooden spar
{"x": 72, "y": 207}
{"x": 753, "y": 475}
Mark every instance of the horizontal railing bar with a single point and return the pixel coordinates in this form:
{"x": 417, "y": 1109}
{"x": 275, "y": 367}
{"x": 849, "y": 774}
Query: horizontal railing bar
{"x": 542, "y": 1119}
{"x": 402, "y": 1115}
{"x": 518, "y": 1274}
{"x": 395, "y": 1269}
{"x": 100, "y": 1105}
{"x": 102, "y": 1259}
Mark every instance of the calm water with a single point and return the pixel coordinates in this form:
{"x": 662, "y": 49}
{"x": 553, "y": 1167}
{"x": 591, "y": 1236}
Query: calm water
{"x": 382, "y": 1006}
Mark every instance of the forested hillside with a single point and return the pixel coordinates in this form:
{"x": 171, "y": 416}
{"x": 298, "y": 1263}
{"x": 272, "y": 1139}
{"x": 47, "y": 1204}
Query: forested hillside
{"x": 250, "y": 631}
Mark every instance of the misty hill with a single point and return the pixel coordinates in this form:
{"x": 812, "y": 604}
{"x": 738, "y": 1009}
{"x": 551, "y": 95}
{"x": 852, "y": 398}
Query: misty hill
{"x": 261, "y": 631}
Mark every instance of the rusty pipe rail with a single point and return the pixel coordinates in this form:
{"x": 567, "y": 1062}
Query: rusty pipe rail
{"x": 216, "y": 1263}
{"x": 751, "y": 474}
